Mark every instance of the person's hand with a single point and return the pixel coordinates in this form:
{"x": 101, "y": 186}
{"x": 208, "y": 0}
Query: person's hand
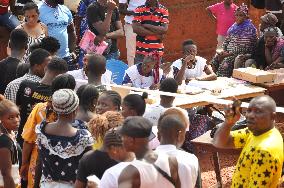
{"x": 154, "y": 86}
{"x": 232, "y": 113}
{"x": 166, "y": 67}
{"x": 242, "y": 57}
{"x": 24, "y": 171}
{"x": 99, "y": 39}
{"x": 92, "y": 185}
{"x": 222, "y": 55}
{"x": 111, "y": 5}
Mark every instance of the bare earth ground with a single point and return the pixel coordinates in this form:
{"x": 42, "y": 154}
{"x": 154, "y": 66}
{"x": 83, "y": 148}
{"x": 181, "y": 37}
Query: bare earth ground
{"x": 227, "y": 163}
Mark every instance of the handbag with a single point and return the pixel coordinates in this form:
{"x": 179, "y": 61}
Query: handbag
{"x": 259, "y": 4}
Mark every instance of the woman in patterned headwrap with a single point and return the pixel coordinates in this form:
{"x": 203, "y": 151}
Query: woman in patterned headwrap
{"x": 241, "y": 40}
{"x": 146, "y": 74}
{"x": 274, "y": 48}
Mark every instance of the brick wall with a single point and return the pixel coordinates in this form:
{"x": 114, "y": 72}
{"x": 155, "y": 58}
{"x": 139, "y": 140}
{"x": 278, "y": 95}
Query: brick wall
{"x": 189, "y": 19}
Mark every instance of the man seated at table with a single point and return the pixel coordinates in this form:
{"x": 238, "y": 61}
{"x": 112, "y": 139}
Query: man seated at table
{"x": 260, "y": 162}
{"x": 191, "y": 66}
{"x": 94, "y": 72}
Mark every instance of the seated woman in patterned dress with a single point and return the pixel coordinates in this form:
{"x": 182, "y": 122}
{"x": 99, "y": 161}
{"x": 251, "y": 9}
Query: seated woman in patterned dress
{"x": 274, "y": 48}
{"x": 241, "y": 40}
{"x": 61, "y": 146}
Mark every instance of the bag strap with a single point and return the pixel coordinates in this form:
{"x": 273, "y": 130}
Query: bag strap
{"x": 165, "y": 175}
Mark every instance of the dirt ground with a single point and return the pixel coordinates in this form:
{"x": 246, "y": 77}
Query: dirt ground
{"x": 227, "y": 164}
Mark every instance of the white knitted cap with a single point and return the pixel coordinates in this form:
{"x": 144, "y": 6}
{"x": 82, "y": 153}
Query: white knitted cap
{"x": 65, "y": 101}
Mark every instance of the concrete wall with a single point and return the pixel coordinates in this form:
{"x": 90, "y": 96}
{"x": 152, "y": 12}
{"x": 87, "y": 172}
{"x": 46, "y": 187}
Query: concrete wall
{"x": 189, "y": 19}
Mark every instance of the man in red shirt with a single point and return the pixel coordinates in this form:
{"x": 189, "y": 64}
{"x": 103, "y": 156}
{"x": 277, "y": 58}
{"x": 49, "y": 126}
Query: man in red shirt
{"x": 150, "y": 23}
{"x": 7, "y": 19}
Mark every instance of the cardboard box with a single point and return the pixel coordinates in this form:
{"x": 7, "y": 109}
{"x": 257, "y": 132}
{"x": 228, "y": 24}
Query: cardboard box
{"x": 254, "y": 75}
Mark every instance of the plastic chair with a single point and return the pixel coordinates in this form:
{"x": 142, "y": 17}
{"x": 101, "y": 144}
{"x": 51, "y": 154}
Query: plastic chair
{"x": 118, "y": 69}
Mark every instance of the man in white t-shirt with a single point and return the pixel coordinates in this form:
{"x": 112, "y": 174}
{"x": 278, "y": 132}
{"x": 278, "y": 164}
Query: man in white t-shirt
{"x": 127, "y": 7}
{"x": 191, "y": 66}
{"x": 171, "y": 133}
{"x": 93, "y": 72}
{"x": 154, "y": 111}
{"x": 111, "y": 175}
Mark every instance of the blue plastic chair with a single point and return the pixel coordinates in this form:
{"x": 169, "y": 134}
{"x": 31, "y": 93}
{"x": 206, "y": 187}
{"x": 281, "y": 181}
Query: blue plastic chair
{"x": 118, "y": 69}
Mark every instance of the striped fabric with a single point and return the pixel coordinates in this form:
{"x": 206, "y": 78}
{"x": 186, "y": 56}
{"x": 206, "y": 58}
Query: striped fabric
{"x": 157, "y": 17}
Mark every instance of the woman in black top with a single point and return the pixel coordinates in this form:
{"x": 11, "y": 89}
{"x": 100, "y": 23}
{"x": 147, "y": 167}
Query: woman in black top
{"x": 10, "y": 120}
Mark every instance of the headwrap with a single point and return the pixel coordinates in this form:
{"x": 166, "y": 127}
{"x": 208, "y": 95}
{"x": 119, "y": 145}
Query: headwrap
{"x": 65, "y": 101}
{"x": 243, "y": 8}
{"x": 156, "y": 56}
{"x": 269, "y": 18}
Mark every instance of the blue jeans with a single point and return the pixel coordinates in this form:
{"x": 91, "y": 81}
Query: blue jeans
{"x": 114, "y": 55}
{"x": 9, "y": 20}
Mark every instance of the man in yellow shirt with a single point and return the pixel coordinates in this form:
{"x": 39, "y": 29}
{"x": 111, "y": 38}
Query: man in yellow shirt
{"x": 261, "y": 159}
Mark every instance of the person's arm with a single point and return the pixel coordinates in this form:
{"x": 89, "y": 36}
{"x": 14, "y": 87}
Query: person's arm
{"x": 123, "y": 9}
{"x": 282, "y": 20}
{"x": 45, "y": 29}
{"x": 117, "y": 33}
{"x": 210, "y": 75}
{"x": 38, "y": 172}
{"x": 222, "y": 137}
{"x": 159, "y": 30}
{"x": 268, "y": 56}
{"x": 140, "y": 30}
{"x": 26, "y": 155}
{"x": 6, "y": 168}
{"x": 12, "y": 7}
{"x": 102, "y": 27}
{"x": 211, "y": 15}
{"x": 71, "y": 37}
{"x": 129, "y": 178}
{"x": 180, "y": 75}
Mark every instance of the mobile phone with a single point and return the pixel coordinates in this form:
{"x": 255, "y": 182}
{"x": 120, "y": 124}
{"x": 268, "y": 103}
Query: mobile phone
{"x": 236, "y": 106}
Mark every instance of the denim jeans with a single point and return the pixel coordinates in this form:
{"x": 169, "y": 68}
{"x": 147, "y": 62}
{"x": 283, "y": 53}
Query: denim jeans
{"x": 9, "y": 20}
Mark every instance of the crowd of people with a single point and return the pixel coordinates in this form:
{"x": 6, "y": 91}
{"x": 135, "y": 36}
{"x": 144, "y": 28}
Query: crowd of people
{"x": 61, "y": 125}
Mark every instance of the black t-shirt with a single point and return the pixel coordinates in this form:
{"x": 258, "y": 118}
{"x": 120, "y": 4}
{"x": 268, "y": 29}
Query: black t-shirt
{"x": 6, "y": 142}
{"x": 8, "y": 68}
{"x": 29, "y": 94}
{"x": 96, "y": 13}
{"x": 94, "y": 163}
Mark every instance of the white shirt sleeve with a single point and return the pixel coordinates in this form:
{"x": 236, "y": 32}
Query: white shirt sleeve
{"x": 123, "y": 1}
{"x": 108, "y": 181}
{"x": 177, "y": 63}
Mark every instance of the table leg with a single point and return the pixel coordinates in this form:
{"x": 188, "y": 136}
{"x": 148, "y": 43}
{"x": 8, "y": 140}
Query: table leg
{"x": 217, "y": 169}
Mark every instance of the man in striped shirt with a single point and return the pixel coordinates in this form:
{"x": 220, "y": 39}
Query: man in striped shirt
{"x": 150, "y": 23}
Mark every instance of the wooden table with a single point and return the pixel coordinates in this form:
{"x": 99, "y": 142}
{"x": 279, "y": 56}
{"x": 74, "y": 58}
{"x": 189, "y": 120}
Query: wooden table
{"x": 276, "y": 91}
{"x": 205, "y": 142}
{"x": 231, "y": 88}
